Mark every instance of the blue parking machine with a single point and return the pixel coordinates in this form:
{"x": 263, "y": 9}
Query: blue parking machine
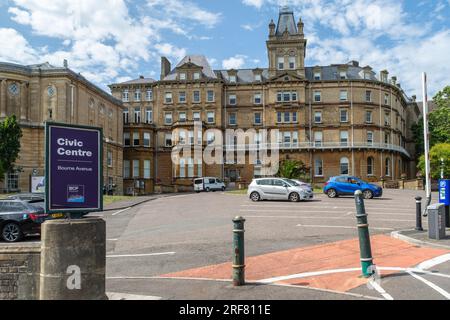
{"x": 444, "y": 197}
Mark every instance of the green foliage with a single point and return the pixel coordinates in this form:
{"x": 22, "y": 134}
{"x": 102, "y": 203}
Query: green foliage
{"x": 292, "y": 169}
{"x": 438, "y": 122}
{"x": 438, "y": 152}
{"x": 10, "y": 134}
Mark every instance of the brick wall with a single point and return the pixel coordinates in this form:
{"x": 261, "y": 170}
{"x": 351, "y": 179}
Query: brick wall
{"x": 19, "y": 271}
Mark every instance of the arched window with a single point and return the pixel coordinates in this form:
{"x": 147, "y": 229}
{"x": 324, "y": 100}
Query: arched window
{"x": 387, "y": 167}
{"x": 370, "y": 163}
{"x": 344, "y": 165}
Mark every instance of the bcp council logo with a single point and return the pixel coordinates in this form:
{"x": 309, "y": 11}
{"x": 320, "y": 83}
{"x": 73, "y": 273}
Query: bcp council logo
{"x": 75, "y": 194}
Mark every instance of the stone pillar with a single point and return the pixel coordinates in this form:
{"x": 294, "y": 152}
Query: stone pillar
{"x": 23, "y": 101}
{"x": 3, "y": 98}
{"x": 73, "y": 259}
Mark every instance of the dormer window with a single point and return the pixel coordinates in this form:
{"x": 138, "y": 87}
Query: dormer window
{"x": 257, "y": 77}
{"x": 280, "y": 63}
{"x": 233, "y": 79}
{"x": 291, "y": 63}
{"x": 342, "y": 75}
{"x": 317, "y": 75}
{"x": 182, "y": 76}
{"x": 196, "y": 75}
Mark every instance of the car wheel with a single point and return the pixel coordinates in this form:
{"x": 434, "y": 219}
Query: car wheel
{"x": 207, "y": 189}
{"x": 332, "y": 193}
{"x": 223, "y": 189}
{"x": 294, "y": 197}
{"x": 367, "y": 194}
{"x": 255, "y": 196}
{"x": 11, "y": 232}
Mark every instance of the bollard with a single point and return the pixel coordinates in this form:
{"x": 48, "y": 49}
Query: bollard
{"x": 363, "y": 234}
{"x": 239, "y": 253}
{"x": 419, "y": 213}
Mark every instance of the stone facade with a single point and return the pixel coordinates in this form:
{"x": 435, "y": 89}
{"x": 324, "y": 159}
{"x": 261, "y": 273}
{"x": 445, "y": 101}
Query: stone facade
{"x": 40, "y": 93}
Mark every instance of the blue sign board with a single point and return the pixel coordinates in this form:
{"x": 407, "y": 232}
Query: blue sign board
{"x": 444, "y": 192}
{"x": 73, "y": 168}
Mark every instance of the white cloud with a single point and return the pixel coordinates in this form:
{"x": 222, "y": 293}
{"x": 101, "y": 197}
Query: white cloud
{"x": 255, "y": 3}
{"x": 236, "y": 62}
{"x": 166, "y": 49}
{"x": 15, "y": 48}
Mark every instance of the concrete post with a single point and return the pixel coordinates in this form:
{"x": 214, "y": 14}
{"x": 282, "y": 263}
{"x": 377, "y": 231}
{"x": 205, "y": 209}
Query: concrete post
{"x": 73, "y": 258}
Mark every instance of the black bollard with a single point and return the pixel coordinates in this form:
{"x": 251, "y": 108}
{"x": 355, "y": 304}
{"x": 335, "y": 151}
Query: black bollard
{"x": 419, "y": 213}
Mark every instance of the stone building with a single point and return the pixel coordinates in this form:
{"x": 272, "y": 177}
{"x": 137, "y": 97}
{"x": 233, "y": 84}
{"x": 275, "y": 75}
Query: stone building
{"x": 337, "y": 119}
{"x": 40, "y": 93}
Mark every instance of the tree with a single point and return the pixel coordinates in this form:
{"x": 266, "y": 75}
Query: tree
{"x": 438, "y": 152}
{"x": 438, "y": 122}
{"x": 292, "y": 169}
{"x": 10, "y": 134}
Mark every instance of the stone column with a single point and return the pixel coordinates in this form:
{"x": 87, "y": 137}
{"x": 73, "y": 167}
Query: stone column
{"x": 3, "y": 98}
{"x": 73, "y": 259}
{"x": 23, "y": 101}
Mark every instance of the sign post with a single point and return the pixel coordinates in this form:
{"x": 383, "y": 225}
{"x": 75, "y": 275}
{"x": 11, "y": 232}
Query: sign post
{"x": 73, "y": 176}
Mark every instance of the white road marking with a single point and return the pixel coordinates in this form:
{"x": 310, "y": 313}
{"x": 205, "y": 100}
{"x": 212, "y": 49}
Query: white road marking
{"x": 112, "y": 239}
{"x": 434, "y": 262}
{"x": 328, "y": 211}
{"x": 120, "y": 211}
{"x": 430, "y": 284}
{"x": 380, "y": 290}
{"x": 140, "y": 255}
{"x": 306, "y": 275}
{"x": 301, "y": 206}
{"x": 329, "y": 218}
{"x": 339, "y": 227}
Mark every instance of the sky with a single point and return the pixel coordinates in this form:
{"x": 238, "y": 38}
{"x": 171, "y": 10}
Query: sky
{"x": 111, "y": 41}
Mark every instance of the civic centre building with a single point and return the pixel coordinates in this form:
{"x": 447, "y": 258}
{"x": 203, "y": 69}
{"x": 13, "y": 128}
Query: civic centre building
{"x": 336, "y": 119}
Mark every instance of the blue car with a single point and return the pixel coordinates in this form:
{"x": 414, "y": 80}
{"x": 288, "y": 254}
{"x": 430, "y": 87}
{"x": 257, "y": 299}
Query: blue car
{"x": 347, "y": 185}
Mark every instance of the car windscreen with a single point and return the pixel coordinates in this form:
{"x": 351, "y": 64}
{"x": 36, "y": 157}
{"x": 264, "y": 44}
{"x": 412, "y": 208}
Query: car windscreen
{"x": 292, "y": 182}
{"x": 198, "y": 181}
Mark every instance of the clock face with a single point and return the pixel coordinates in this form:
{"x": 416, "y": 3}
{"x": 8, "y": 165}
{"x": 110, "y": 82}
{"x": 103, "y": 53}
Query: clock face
{"x": 51, "y": 91}
{"x": 14, "y": 89}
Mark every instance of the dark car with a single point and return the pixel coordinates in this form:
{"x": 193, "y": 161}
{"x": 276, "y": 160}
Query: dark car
{"x": 347, "y": 185}
{"x": 19, "y": 219}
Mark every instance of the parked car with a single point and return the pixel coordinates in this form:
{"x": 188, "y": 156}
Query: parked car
{"x": 19, "y": 218}
{"x": 347, "y": 185}
{"x": 27, "y": 196}
{"x": 278, "y": 189}
{"x": 208, "y": 184}
{"x": 303, "y": 184}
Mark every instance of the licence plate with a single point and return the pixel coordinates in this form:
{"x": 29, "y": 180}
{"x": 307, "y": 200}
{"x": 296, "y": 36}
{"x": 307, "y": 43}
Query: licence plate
{"x": 57, "y": 215}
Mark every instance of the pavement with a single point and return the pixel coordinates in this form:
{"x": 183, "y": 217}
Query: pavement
{"x": 421, "y": 238}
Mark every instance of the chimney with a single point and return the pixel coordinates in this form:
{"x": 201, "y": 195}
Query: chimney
{"x": 354, "y": 63}
{"x": 272, "y": 28}
{"x": 394, "y": 80}
{"x": 141, "y": 77}
{"x": 165, "y": 67}
{"x": 384, "y": 76}
{"x": 414, "y": 98}
{"x": 65, "y": 63}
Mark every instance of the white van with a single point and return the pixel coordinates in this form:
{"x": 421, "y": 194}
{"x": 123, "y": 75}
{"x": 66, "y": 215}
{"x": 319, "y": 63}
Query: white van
{"x": 208, "y": 184}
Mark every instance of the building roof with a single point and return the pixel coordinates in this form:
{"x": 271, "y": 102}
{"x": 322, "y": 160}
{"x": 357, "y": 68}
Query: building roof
{"x": 286, "y": 21}
{"x": 198, "y": 60}
{"x": 140, "y": 80}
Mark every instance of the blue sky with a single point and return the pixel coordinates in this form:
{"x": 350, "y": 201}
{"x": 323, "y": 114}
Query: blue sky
{"x": 116, "y": 40}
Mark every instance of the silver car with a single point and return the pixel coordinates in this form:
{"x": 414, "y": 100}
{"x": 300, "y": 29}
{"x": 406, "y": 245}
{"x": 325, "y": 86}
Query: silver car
{"x": 278, "y": 189}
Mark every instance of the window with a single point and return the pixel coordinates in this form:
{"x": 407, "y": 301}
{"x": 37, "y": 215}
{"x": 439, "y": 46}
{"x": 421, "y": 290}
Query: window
{"x": 191, "y": 137}
{"x": 182, "y": 168}
{"x": 135, "y": 168}
{"x": 182, "y": 116}
{"x": 317, "y": 75}
{"x": 343, "y": 96}
{"x": 279, "y": 96}
{"x": 125, "y": 116}
{"x": 295, "y": 139}
{"x": 387, "y": 119}
{"x": 196, "y": 115}
{"x": 370, "y": 163}
{"x": 344, "y": 138}
{"x": 318, "y": 168}
{"x": 126, "y": 139}
{"x": 369, "y": 117}
{"x": 343, "y": 75}
{"x": 196, "y": 96}
{"x": 291, "y": 63}
{"x": 387, "y": 167}
{"x": 368, "y": 96}
{"x": 168, "y": 97}
{"x": 13, "y": 181}
{"x": 287, "y": 117}
{"x": 126, "y": 169}
{"x": 318, "y": 117}
{"x": 135, "y": 138}
{"x": 149, "y": 95}
{"x": 344, "y": 165}
{"x": 232, "y": 119}
{"x": 286, "y": 96}
{"x": 343, "y": 115}
{"x": 318, "y": 136}
{"x": 199, "y": 137}
{"x": 280, "y": 63}
{"x": 182, "y": 137}
{"x": 168, "y": 118}
{"x": 183, "y": 76}
{"x": 210, "y": 137}
{"x": 149, "y": 115}
{"x": 199, "y": 167}
{"x": 233, "y": 79}
{"x": 294, "y": 96}
{"x": 211, "y": 117}
{"x": 125, "y": 96}
{"x": 257, "y": 98}
{"x": 370, "y": 138}
{"x": 137, "y": 115}
{"x": 137, "y": 95}
{"x": 146, "y": 169}
{"x": 258, "y": 78}
{"x": 258, "y": 118}
{"x": 146, "y": 139}
{"x": 190, "y": 167}
{"x": 286, "y": 139}
{"x": 109, "y": 159}
{"x": 279, "y": 117}
{"x": 182, "y": 97}
{"x": 210, "y": 95}
{"x": 232, "y": 99}
{"x": 168, "y": 140}
{"x": 386, "y": 99}
{"x": 317, "y": 96}
{"x": 196, "y": 75}
{"x": 294, "y": 117}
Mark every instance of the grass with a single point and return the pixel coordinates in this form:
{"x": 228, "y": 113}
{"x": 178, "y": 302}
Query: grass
{"x": 238, "y": 192}
{"x": 111, "y": 199}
